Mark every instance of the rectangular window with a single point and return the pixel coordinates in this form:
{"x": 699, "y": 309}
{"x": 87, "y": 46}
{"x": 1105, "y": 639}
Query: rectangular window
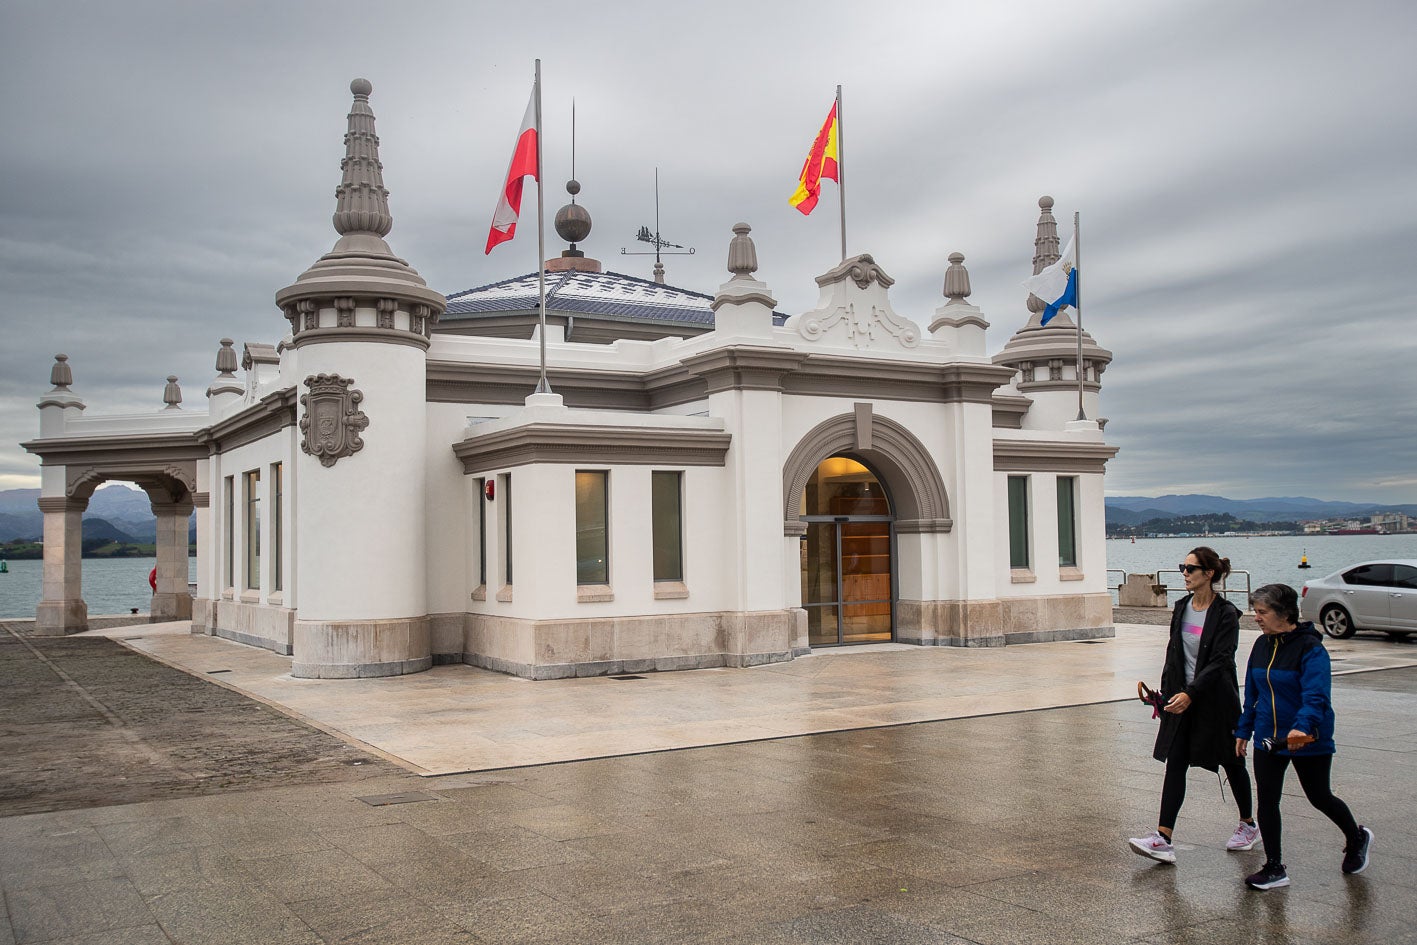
{"x": 1018, "y": 522}
{"x": 229, "y": 526}
{"x": 592, "y": 533}
{"x": 666, "y": 512}
{"x": 482, "y": 532}
{"x": 506, "y": 484}
{"x": 277, "y": 526}
{"x": 251, "y": 496}
{"x": 1067, "y": 522}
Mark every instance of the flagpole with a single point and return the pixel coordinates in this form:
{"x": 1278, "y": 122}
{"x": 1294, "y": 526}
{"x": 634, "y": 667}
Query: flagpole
{"x": 1077, "y": 302}
{"x": 542, "y": 385}
{"x": 841, "y": 169}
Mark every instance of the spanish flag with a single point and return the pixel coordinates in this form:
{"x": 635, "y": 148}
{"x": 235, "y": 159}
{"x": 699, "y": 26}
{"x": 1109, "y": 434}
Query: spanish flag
{"x": 821, "y": 162}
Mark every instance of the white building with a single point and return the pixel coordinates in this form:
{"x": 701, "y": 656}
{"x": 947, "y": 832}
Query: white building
{"x": 705, "y": 484}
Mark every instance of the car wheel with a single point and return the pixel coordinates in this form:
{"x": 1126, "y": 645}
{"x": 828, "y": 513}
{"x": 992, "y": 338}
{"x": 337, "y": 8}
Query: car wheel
{"x": 1337, "y": 623}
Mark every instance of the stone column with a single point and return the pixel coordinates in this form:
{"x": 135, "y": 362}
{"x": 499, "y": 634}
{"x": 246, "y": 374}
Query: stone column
{"x": 172, "y": 600}
{"x": 62, "y": 609}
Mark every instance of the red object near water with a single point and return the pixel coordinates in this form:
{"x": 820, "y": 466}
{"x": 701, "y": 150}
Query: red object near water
{"x": 152, "y": 578}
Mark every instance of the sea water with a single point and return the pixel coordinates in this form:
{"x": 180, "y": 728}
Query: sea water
{"x": 1268, "y": 559}
{"x": 111, "y": 585}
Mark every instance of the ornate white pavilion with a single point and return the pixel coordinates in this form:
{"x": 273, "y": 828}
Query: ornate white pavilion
{"x": 708, "y": 482}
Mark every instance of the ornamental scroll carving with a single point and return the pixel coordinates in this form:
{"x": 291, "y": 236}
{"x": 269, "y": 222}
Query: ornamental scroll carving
{"x": 333, "y": 421}
{"x": 861, "y": 325}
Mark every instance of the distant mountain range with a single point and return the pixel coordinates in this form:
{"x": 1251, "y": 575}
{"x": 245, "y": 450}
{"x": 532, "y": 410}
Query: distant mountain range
{"x": 1133, "y": 510}
{"x": 114, "y": 512}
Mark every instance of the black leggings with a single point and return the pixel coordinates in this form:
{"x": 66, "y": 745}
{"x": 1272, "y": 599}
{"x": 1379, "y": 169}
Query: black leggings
{"x": 1313, "y": 771}
{"x": 1178, "y": 763}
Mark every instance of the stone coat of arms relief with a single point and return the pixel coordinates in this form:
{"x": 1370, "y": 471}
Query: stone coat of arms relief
{"x": 332, "y": 422}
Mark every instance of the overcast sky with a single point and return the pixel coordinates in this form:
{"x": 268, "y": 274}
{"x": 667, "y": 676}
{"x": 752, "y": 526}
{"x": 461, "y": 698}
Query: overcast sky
{"x": 1246, "y": 174}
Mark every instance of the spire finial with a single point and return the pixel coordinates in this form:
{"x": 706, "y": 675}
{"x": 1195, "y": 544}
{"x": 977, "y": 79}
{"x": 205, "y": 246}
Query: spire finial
{"x": 1045, "y": 246}
{"x": 742, "y": 254}
{"x": 362, "y": 203}
{"x": 957, "y": 280}
{"x": 61, "y": 375}
{"x": 172, "y": 394}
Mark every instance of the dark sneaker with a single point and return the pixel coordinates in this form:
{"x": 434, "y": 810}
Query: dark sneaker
{"x": 1355, "y": 855}
{"x": 1270, "y": 876}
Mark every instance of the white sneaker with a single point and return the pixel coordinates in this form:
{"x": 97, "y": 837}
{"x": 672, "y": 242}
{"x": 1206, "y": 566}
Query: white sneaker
{"x": 1155, "y": 846}
{"x": 1244, "y": 838}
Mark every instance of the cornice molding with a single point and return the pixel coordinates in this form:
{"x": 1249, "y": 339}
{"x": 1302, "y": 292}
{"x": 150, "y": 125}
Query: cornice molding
{"x": 393, "y": 336}
{"x": 271, "y": 414}
{"x": 603, "y": 444}
{"x": 1051, "y": 456}
{"x": 744, "y": 367}
{"x": 1009, "y": 410}
{"x": 166, "y": 447}
{"x": 1069, "y": 385}
{"x": 62, "y": 503}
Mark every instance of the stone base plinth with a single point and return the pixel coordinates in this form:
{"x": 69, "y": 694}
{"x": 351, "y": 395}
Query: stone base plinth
{"x": 57, "y": 618}
{"x": 360, "y": 649}
{"x": 605, "y": 646}
{"x": 1005, "y": 621}
{"x": 265, "y": 625}
{"x": 171, "y": 607}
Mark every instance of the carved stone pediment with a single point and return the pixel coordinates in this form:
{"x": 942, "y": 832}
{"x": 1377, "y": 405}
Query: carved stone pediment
{"x": 855, "y": 310}
{"x": 332, "y": 421}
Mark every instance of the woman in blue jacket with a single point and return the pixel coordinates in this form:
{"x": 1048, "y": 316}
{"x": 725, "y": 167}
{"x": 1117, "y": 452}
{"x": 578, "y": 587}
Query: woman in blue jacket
{"x": 1288, "y": 712}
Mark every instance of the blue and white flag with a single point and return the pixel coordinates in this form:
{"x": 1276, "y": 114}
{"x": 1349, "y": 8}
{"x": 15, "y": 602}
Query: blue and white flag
{"x": 1057, "y": 285}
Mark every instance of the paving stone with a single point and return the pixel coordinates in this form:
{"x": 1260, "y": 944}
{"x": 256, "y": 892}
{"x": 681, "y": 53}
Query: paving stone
{"x": 315, "y": 875}
{"x": 386, "y": 919}
{"x": 229, "y": 914}
{"x": 139, "y": 935}
{"x": 42, "y": 913}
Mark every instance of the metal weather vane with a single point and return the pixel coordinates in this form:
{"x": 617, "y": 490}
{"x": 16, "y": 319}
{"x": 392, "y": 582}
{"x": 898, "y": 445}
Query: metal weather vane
{"x": 654, "y": 239}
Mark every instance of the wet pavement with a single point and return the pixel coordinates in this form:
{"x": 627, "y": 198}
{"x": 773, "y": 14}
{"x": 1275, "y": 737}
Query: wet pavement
{"x": 1002, "y": 828}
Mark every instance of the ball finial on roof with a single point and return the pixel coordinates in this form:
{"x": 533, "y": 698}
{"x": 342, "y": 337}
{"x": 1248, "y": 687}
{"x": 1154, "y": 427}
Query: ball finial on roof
{"x": 361, "y": 87}
{"x": 573, "y": 187}
{"x": 1045, "y": 202}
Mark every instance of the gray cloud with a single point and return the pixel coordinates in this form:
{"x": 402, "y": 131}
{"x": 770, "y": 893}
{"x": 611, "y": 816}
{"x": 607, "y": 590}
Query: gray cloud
{"x": 1244, "y": 175}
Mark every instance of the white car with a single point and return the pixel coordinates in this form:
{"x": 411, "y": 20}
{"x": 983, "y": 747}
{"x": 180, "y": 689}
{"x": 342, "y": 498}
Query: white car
{"x": 1374, "y": 595}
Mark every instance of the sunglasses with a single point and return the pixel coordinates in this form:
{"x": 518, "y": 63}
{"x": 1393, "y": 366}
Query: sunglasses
{"x": 1190, "y": 568}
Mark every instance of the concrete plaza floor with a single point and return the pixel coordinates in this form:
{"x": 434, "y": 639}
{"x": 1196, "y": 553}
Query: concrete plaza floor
{"x": 991, "y": 825}
{"x": 460, "y": 718}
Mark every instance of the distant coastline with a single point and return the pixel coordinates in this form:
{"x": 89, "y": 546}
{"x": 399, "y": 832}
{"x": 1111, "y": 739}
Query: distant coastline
{"x": 20, "y": 550}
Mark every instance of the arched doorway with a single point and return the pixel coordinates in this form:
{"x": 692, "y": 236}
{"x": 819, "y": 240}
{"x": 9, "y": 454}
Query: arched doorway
{"x": 848, "y": 553}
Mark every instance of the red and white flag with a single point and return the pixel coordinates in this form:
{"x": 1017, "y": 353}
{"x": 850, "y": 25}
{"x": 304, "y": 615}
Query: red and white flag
{"x": 523, "y": 165}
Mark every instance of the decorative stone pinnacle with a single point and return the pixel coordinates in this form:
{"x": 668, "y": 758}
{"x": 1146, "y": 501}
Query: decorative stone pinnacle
{"x": 1045, "y": 247}
{"x": 172, "y": 394}
{"x": 742, "y": 254}
{"x": 957, "y": 279}
{"x": 226, "y": 358}
{"x": 362, "y": 203}
{"x": 659, "y": 273}
{"x": 61, "y": 375}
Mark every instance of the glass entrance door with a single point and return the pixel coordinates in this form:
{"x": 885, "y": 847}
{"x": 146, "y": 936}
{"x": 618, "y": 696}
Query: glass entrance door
{"x": 847, "y": 575}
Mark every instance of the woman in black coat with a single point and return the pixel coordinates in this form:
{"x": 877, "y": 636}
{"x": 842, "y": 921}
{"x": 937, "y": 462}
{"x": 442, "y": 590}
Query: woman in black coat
{"x": 1202, "y": 703}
